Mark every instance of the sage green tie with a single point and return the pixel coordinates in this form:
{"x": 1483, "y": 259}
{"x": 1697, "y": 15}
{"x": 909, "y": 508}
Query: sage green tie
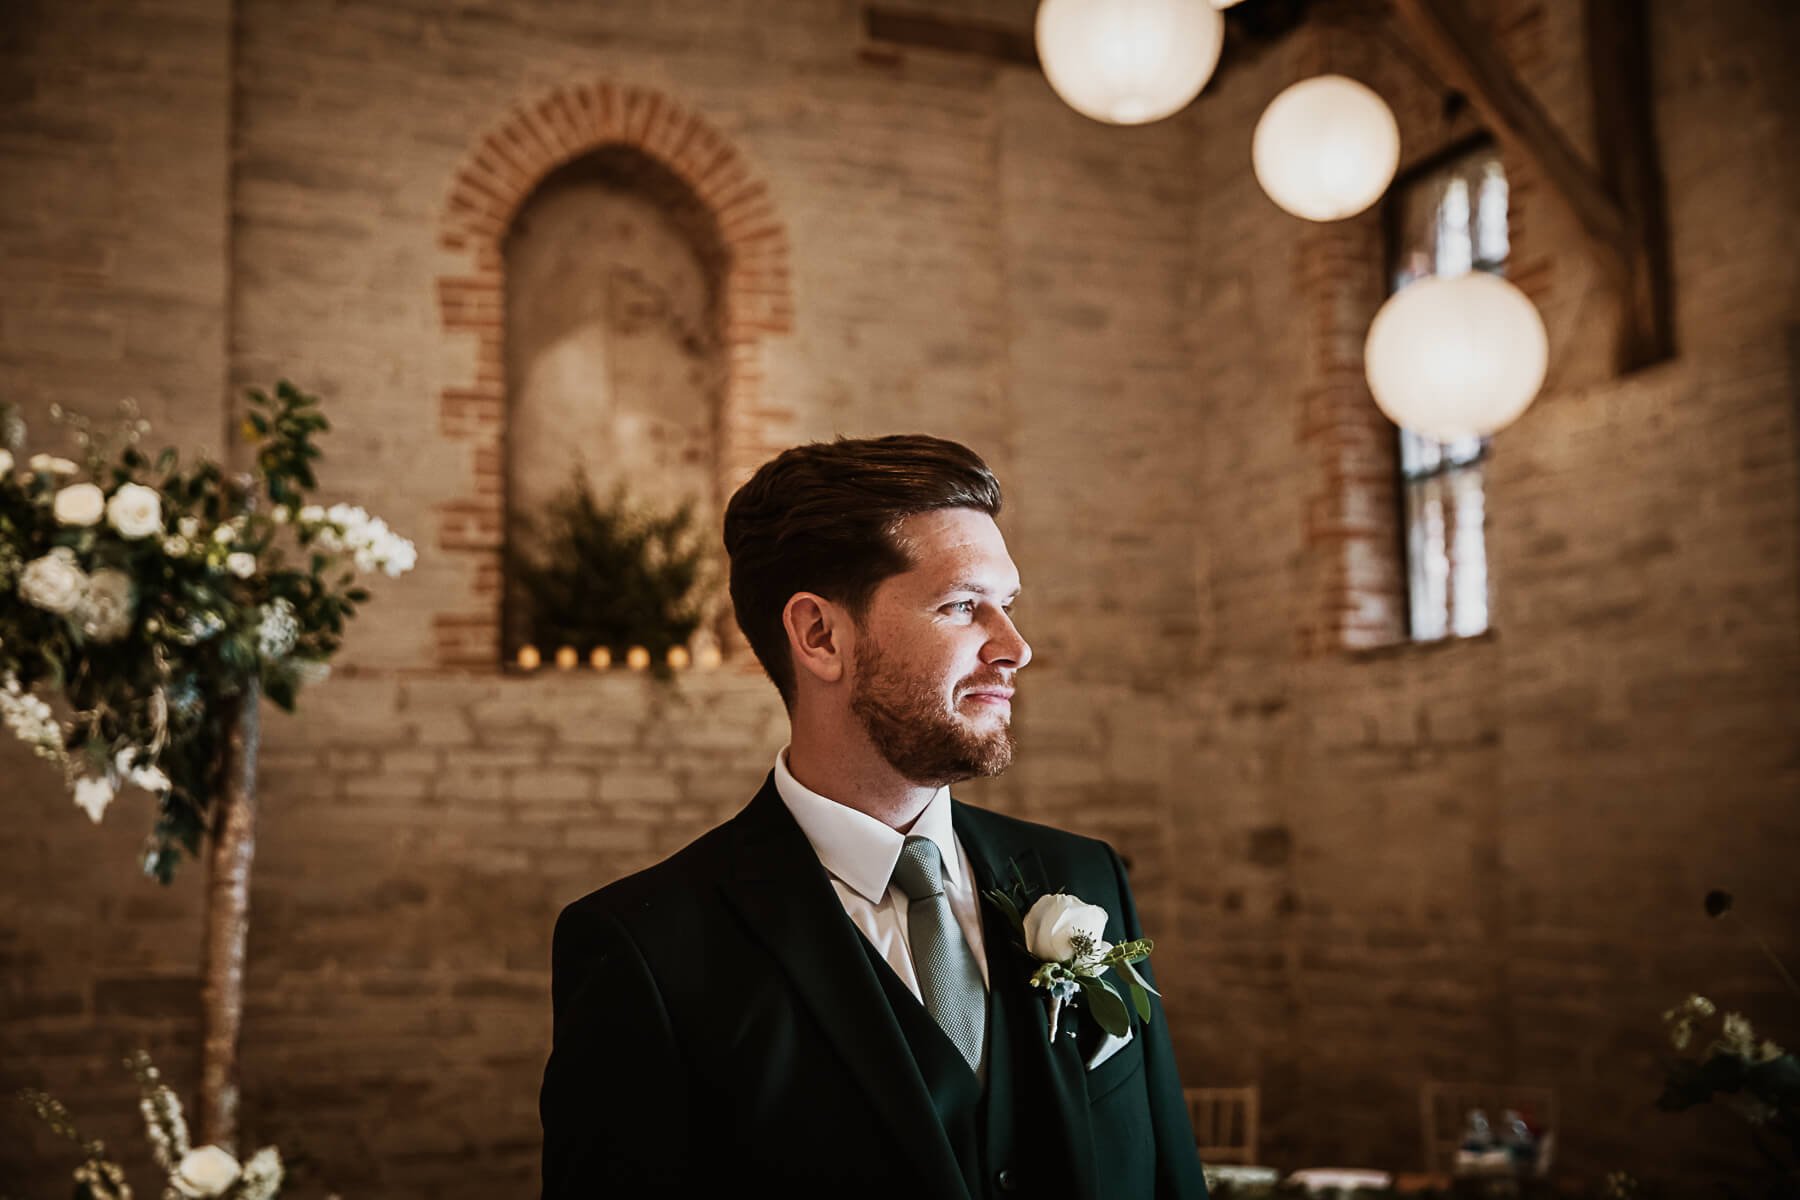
{"x": 949, "y": 978}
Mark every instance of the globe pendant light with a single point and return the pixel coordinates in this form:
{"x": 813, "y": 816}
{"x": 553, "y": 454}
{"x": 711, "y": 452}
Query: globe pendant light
{"x": 1128, "y": 62}
{"x": 1326, "y": 148}
{"x": 1455, "y": 357}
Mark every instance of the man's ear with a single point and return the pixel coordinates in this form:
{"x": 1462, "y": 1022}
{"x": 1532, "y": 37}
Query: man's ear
{"x": 818, "y": 635}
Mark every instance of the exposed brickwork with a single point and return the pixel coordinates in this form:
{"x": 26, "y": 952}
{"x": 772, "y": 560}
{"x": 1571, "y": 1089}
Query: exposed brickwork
{"x": 1479, "y": 860}
{"x": 503, "y": 170}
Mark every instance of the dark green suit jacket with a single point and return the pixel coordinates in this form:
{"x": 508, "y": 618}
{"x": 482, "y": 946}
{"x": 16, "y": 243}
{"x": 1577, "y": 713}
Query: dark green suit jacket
{"x": 719, "y": 1029}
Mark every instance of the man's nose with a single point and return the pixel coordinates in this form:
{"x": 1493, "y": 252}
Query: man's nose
{"x": 1008, "y": 645}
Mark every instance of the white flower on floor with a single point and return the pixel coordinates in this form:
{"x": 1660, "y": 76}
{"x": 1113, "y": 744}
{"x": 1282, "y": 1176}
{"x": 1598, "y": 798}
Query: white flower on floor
{"x": 240, "y": 563}
{"x": 79, "y": 504}
{"x": 55, "y": 582}
{"x": 135, "y": 511}
{"x": 207, "y": 1171}
{"x": 262, "y": 1175}
{"x": 49, "y": 464}
{"x": 92, "y": 794}
{"x": 104, "y": 612}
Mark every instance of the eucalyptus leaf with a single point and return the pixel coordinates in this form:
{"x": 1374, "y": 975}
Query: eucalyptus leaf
{"x": 1108, "y": 1008}
{"x": 1140, "y": 999}
{"x": 1131, "y": 973}
{"x": 1008, "y": 909}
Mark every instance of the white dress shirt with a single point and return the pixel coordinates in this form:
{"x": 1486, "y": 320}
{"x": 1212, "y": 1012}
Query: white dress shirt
{"x": 859, "y": 854}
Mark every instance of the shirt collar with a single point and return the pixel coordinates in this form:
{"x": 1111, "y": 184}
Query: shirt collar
{"x": 857, "y": 848}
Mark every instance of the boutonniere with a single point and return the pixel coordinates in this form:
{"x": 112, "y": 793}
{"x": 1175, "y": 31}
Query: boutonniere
{"x": 1067, "y": 937}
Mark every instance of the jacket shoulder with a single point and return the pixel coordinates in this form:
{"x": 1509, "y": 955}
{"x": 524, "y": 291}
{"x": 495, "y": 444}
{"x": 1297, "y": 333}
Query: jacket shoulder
{"x": 1007, "y": 830}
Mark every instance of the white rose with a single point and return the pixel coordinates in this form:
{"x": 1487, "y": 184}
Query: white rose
{"x": 1055, "y": 921}
{"x": 312, "y": 514}
{"x": 207, "y": 1171}
{"x": 55, "y": 582}
{"x": 224, "y": 535}
{"x": 241, "y": 564}
{"x": 106, "y": 606}
{"x": 176, "y": 546}
{"x": 135, "y": 511}
{"x": 92, "y": 795}
{"x": 49, "y": 464}
{"x": 79, "y": 504}
{"x": 188, "y": 527}
{"x": 6, "y": 463}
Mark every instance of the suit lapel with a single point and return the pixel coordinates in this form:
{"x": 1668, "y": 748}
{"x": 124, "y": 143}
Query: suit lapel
{"x": 786, "y": 898}
{"x": 1009, "y": 972}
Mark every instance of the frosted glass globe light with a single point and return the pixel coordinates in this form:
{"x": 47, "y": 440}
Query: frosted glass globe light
{"x": 1326, "y": 148}
{"x": 1454, "y": 357}
{"x": 1128, "y": 62}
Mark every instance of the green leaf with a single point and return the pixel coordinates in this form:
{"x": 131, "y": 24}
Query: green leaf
{"x": 279, "y": 687}
{"x": 1109, "y": 1010}
{"x": 1140, "y": 999}
{"x": 1008, "y": 909}
{"x": 1131, "y": 974}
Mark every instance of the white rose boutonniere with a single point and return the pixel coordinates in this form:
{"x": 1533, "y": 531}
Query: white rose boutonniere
{"x": 80, "y": 504}
{"x": 135, "y": 511}
{"x": 1067, "y": 937}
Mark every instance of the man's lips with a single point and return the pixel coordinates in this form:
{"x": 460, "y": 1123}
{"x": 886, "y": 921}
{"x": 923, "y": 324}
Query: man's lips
{"x": 991, "y": 695}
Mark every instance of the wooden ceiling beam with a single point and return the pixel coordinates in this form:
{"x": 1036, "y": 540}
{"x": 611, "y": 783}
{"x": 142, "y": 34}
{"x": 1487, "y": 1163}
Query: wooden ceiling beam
{"x": 1619, "y": 211}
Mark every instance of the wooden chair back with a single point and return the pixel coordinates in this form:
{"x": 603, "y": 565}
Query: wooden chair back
{"x": 1225, "y": 1123}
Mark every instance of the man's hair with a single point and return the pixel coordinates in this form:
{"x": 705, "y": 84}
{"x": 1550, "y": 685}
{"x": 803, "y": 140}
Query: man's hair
{"x": 825, "y": 518}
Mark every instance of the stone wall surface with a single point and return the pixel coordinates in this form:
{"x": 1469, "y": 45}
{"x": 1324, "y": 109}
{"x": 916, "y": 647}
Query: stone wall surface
{"x": 1478, "y": 860}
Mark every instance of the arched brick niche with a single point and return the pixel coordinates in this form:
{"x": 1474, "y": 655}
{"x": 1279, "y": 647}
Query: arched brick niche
{"x": 715, "y": 192}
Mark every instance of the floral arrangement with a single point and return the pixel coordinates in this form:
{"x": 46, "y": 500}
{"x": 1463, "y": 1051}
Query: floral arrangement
{"x": 1067, "y": 937}
{"x": 610, "y": 575}
{"x": 147, "y": 597}
{"x": 192, "y": 1173}
{"x": 1752, "y": 1075}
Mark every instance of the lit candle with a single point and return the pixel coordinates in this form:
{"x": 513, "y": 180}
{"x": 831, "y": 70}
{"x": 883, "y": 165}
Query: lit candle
{"x": 566, "y": 658}
{"x": 600, "y": 659}
{"x": 679, "y": 658}
{"x": 710, "y": 658}
{"x": 529, "y": 658}
{"x": 637, "y": 658}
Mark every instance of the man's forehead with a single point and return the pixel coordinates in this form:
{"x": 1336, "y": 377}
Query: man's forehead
{"x": 953, "y": 548}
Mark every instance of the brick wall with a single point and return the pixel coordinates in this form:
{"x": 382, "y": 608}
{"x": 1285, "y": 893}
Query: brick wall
{"x": 1484, "y": 859}
{"x": 1480, "y": 860}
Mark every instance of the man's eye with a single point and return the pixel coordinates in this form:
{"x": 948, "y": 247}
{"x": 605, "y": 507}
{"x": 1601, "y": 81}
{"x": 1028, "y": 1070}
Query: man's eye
{"x": 967, "y": 606}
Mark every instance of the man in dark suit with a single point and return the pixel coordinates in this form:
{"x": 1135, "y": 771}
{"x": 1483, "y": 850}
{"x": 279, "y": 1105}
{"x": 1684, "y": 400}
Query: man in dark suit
{"x": 815, "y": 999}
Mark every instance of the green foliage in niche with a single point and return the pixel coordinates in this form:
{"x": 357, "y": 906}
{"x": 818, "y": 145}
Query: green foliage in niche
{"x": 610, "y": 574}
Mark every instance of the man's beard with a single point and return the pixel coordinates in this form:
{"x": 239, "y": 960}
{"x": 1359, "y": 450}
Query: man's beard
{"x": 909, "y": 726}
